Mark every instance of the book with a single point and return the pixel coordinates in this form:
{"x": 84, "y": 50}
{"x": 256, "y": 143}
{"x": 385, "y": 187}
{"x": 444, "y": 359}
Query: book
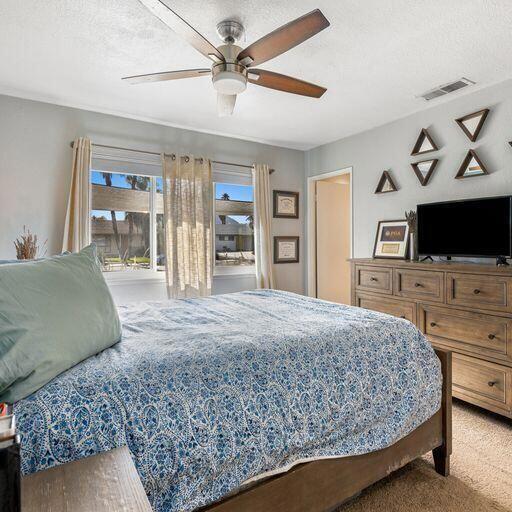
{"x": 5, "y": 409}
{"x": 7, "y": 426}
{"x": 7, "y": 443}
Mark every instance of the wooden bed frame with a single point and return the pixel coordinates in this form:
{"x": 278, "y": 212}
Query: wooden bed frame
{"x": 324, "y": 485}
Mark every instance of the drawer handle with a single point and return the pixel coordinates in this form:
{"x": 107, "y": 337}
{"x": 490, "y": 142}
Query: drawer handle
{"x": 476, "y": 291}
{"x": 492, "y": 383}
{"x": 491, "y": 336}
{"x": 432, "y": 324}
{"x": 402, "y": 316}
{"x": 373, "y": 279}
{"x": 418, "y": 285}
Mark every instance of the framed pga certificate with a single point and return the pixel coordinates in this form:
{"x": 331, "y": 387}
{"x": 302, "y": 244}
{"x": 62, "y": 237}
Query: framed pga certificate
{"x": 286, "y": 249}
{"x": 286, "y": 204}
{"x": 392, "y": 239}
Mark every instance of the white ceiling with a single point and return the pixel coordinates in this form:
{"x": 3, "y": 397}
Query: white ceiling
{"x": 374, "y": 59}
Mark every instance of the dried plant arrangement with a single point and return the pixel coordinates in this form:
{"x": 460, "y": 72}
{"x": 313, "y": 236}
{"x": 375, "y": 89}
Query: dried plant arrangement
{"x": 411, "y": 220}
{"x": 26, "y": 245}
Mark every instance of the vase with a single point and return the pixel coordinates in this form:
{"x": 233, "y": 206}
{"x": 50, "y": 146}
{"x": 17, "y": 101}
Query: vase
{"x": 413, "y": 249}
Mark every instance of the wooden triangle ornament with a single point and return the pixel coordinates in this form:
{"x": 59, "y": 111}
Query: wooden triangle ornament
{"x": 471, "y": 167}
{"x": 424, "y": 170}
{"x": 386, "y": 184}
{"x": 472, "y": 124}
{"x": 424, "y": 144}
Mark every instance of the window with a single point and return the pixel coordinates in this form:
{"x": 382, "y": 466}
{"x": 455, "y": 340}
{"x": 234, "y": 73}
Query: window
{"x": 234, "y": 234}
{"x": 127, "y": 221}
{"x": 127, "y": 216}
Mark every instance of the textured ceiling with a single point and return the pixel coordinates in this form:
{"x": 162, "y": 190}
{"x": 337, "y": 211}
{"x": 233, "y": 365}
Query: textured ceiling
{"x": 374, "y": 59}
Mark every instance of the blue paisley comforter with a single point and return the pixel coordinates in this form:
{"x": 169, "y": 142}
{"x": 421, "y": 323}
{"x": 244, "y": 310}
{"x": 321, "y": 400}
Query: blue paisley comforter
{"x": 208, "y": 393}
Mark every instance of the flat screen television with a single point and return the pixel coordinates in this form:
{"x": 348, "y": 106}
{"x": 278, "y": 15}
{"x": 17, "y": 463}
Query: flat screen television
{"x": 479, "y": 228}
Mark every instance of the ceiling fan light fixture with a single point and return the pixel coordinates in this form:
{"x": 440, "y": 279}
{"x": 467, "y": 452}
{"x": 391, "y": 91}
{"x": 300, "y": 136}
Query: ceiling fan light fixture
{"x": 229, "y": 82}
{"x": 225, "y": 104}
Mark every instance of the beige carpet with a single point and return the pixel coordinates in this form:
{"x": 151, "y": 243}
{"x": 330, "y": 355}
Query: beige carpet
{"x": 481, "y": 475}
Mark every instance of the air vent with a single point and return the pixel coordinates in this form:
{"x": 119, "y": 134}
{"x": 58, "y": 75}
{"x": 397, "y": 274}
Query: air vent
{"x": 442, "y": 90}
{"x": 433, "y": 94}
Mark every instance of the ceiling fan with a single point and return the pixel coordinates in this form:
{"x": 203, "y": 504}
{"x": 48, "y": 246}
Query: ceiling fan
{"x": 233, "y": 66}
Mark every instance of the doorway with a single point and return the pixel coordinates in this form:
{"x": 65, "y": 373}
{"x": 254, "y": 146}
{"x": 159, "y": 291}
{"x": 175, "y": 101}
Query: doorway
{"x": 330, "y": 235}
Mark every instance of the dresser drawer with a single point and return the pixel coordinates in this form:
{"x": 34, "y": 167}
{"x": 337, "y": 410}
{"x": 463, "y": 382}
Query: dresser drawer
{"x": 374, "y": 279}
{"x": 419, "y": 284}
{"x": 398, "y": 308}
{"x": 479, "y": 334}
{"x": 482, "y": 383}
{"x": 480, "y": 291}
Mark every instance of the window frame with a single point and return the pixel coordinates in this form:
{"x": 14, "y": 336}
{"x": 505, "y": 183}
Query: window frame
{"x": 124, "y": 162}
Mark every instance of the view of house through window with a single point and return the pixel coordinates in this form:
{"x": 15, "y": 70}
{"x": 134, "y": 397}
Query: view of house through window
{"x": 234, "y": 223}
{"x": 126, "y": 220}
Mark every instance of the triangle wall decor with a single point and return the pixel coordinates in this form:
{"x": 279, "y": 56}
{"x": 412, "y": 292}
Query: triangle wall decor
{"x": 424, "y": 144}
{"x": 472, "y": 124}
{"x": 386, "y": 184}
{"x": 471, "y": 167}
{"x": 424, "y": 170}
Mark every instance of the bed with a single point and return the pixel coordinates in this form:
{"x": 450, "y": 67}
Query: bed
{"x": 250, "y": 401}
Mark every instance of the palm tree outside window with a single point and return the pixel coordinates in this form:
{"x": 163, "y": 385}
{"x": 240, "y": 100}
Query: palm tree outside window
{"x": 125, "y": 210}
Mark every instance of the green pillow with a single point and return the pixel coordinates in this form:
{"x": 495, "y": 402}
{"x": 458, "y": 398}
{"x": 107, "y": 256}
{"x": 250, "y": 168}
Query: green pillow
{"x": 54, "y": 313}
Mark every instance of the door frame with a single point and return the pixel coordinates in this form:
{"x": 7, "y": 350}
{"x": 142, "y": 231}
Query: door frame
{"x": 311, "y": 223}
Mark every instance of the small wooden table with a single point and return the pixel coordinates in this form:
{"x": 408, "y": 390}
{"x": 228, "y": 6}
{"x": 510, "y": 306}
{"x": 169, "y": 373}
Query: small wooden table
{"x": 105, "y": 482}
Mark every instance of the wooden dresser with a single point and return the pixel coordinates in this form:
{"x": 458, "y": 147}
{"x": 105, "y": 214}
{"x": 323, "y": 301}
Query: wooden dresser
{"x": 464, "y": 307}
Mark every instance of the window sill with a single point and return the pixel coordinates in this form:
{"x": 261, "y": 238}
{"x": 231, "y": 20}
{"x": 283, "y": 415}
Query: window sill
{"x": 151, "y": 277}
{"x": 233, "y": 272}
{"x": 124, "y": 277}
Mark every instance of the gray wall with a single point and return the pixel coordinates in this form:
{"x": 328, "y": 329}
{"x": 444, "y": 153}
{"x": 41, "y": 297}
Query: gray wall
{"x": 35, "y": 164}
{"x": 35, "y": 161}
{"x": 390, "y": 146}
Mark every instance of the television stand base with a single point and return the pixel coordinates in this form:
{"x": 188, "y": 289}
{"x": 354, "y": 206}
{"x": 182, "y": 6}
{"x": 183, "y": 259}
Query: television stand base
{"x": 427, "y": 258}
{"x": 501, "y": 261}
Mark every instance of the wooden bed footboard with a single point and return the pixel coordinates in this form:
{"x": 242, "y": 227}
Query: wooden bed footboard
{"x": 442, "y": 453}
{"x": 323, "y": 485}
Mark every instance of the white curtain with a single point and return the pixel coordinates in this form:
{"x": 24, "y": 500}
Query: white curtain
{"x": 77, "y": 231}
{"x": 188, "y": 225}
{"x": 262, "y": 227}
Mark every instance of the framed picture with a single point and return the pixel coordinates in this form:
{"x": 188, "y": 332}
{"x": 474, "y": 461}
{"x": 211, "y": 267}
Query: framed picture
{"x": 392, "y": 239}
{"x": 286, "y": 204}
{"x": 286, "y": 249}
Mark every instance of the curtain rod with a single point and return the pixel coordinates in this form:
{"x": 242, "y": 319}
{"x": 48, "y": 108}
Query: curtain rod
{"x": 158, "y": 154}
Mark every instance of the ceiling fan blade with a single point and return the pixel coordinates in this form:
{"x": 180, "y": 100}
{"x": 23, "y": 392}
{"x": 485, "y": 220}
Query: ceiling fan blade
{"x": 166, "y": 75}
{"x": 183, "y": 29}
{"x": 284, "y": 38}
{"x": 284, "y": 83}
{"x": 225, "y": 104}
